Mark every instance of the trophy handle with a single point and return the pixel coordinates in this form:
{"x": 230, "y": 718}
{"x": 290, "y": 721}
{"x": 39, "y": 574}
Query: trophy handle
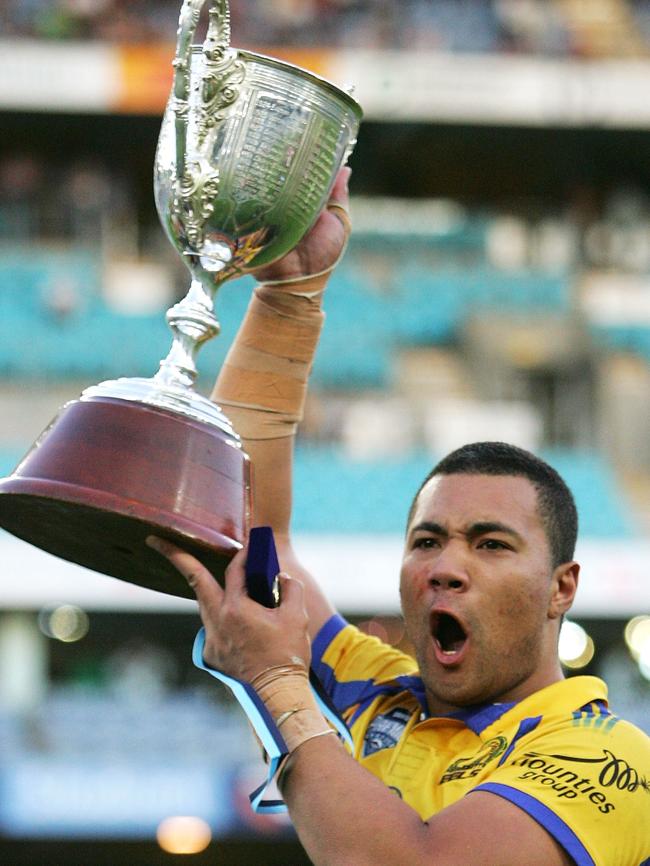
{"x": 196, "y": 185}
{"x": 216, "y": 48}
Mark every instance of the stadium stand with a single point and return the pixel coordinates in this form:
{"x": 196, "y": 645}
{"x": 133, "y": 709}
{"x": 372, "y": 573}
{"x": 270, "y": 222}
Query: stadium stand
{"x": 559, "y": 27}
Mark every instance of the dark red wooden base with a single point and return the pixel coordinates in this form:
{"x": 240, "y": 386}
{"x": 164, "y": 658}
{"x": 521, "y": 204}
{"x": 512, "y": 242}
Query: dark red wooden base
{"x": 109, "y": 472}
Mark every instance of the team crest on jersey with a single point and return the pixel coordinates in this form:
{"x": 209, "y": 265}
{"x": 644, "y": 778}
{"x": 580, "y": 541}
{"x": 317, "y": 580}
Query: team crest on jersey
{"x": 384, "y": 731}
{"x": 465, "y": 768}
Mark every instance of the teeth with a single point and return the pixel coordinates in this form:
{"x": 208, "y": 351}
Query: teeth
{"x": 445, "y": 652}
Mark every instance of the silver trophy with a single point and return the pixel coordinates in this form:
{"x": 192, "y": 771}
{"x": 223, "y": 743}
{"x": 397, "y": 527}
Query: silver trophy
{"x": 248, "y": 152}
{"x": 247, "y": 156}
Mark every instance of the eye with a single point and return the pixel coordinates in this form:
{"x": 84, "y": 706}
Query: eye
{"x": 493, "y": 544}
{"x": 426, "y": 542}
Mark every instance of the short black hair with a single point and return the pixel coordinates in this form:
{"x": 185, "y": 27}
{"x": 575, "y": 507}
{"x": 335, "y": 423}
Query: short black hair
{"x": 555, "y": 501}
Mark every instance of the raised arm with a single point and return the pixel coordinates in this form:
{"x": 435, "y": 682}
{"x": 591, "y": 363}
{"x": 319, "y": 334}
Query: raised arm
{"x": 263, "y": 383}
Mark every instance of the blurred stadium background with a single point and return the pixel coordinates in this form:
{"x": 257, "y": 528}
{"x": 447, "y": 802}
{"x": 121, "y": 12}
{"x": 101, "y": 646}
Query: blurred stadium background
{"x": 497, "y": 286}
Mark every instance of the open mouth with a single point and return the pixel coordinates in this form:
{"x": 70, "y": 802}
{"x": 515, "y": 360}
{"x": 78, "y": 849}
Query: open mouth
{"x": 448, "y": 634}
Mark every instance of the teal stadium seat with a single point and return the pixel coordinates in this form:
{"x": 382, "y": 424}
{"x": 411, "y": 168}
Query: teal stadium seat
{"x": 626, "y": 338}
{"x": 370, "y": 316}
{"x": 337, "y": 495}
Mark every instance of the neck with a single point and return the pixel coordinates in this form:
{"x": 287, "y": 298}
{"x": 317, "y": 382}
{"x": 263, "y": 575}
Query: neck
{"x": 515, "y": 693}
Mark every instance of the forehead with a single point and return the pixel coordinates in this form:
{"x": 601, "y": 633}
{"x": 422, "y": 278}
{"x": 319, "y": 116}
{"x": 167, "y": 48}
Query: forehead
{"x": 461, "y": 500}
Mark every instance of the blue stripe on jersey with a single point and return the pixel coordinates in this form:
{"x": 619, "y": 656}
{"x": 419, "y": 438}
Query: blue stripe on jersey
{"x": 347, "y": 694}
{"x": 595, "y": 714}
{"x": 324, "y": 638}
{"x": 478, "y": 718}
{"x": 602, "y": 706}
{"x": 525, "y": 727}
{"x": 554, "y": 825}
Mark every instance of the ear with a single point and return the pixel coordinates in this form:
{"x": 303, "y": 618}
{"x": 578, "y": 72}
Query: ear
{"x": 564, "y": 584}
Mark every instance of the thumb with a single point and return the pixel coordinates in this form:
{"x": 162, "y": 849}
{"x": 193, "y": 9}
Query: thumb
{"x": 340, "y": 192}
{"x": 292, "y": 593}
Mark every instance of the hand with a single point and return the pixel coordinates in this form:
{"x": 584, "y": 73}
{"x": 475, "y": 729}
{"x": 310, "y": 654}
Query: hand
{"x": 243, "y": 638}
{"x": 323, "y": 244}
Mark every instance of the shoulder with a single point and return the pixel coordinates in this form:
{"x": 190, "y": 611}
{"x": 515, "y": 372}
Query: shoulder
{"x": 355, "y": 669}
{"x": 585, "y": 777}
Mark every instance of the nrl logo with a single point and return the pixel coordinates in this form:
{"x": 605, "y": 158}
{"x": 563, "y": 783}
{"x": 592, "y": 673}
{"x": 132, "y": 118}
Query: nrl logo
{"x": 385, "y": 731}
{"x": 465, "y": 768}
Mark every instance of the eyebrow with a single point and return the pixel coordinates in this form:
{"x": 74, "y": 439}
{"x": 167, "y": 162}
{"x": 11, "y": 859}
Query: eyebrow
{"x": 474, "y": 531}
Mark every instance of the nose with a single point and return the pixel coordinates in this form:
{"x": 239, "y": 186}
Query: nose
{"x": 449, "y": 570}
{"x": 448, "y": 581}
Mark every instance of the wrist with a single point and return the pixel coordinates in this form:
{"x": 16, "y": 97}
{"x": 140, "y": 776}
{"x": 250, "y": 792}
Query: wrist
{"x": 299, "y": 297}
{"x": 296, "y": 281}
{"x": 287, "y": 695}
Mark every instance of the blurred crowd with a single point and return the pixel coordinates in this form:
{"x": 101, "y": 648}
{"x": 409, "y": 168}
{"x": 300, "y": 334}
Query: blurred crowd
{"x": 89, "y": 203}
{"x": 520, "y": 26}
{"x": 42, "y": 201}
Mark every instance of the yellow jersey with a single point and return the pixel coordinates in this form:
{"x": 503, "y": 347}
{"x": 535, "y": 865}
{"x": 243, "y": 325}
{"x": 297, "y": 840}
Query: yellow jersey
{"x": 560, "y": 754}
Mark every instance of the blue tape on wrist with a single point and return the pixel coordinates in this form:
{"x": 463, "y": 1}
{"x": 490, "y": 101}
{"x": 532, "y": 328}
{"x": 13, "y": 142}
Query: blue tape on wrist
{"x": 267, "y": 731}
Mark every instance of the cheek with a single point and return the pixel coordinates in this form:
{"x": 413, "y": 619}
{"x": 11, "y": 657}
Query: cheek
{"x": 526, "y": 604}
{"x": 412, "y": 587}
{"x": 418, "y": 591}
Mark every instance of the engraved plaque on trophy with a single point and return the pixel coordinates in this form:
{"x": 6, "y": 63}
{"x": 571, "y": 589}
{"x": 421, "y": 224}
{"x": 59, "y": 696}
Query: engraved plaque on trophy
{"x": 247, "y": 155}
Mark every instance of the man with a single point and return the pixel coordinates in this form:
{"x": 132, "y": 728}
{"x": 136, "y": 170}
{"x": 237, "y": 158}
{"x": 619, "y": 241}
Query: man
{"x": 482, "y": 754}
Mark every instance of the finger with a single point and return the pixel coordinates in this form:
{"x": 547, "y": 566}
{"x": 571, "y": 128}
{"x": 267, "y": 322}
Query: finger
{"x": 206, "y": 588}
{"x": 339, "y": 200}
{"x": 340, "y": 189}
{"x": 235, "y": 575}
{"x": 292, "y": 593}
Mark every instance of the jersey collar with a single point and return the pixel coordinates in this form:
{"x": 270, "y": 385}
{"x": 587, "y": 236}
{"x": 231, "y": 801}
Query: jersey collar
{"x": 563, "y": 696}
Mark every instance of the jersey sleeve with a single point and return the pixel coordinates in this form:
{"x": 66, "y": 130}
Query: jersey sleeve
{"x": 587, "y": 785}
{"x": 355, "y": 668}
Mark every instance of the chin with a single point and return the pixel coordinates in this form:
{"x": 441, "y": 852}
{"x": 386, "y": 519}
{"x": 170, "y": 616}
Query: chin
{"x": 460, "y": 698}
{"x": 454, "y": 694}
{"x": 461, "y": 693}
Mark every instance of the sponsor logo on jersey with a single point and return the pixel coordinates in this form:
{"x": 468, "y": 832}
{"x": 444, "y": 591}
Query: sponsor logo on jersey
{"x": 465, "y": 768}
{"x": 385, "y": 731}
{"x": 604, "y": 773}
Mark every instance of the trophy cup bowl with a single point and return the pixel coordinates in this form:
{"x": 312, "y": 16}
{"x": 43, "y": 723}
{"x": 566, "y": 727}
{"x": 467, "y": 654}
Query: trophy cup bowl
{"x": 248, "y": 152}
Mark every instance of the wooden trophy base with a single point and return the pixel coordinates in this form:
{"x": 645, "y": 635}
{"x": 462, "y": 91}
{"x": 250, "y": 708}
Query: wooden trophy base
{"x": 107, "y": 473}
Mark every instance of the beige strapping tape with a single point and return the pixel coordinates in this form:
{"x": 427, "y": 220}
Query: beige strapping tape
{"x": 287, "y": 693}
{"x": 263, "y": 382}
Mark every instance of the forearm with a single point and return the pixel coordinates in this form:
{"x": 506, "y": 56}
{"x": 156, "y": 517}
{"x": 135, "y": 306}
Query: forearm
{"x": 262, "y": 387}
{"x": 263, "y": 382}
{"x": 344, "y": 816}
